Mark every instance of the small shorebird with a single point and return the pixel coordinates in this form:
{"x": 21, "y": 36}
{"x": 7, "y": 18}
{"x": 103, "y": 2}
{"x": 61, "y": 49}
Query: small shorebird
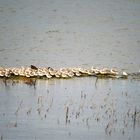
{"x": 105, "y": 71}
{"x": 40, "y": 72}
{"x": 48, "y": 75}
{"x": 95, "y": 70}
{"x": 2, "y": 72}
{"x": 34, "y": 67}
{"x": 90, "y": 72}
{"x": 27, "y": 72}
{"x": 82, "y": 70}
{"x": 70, "y": 74}
{"x": 74, "y": 70}
{"x": 15, "y": 71}
{"x": 114, "y": 72}
{"x": 51, "y": 71}
{"x": 78, "y": 73}
{"x": 64, "y": 72}
{"x": 7, "y": 72}
{"x": 31, "y": 73}
{"x": 124, "y": 74}
{"x": 64, "y": 75}
{"x": 57, "y": 74}
{"x": 22, "y": 71}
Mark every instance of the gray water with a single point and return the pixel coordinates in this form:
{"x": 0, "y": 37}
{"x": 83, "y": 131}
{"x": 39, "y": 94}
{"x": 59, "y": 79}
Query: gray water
{"x": 65, "y": 33}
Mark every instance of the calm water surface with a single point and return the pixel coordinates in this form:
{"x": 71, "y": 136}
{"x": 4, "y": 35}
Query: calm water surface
{"x": 70, "y": 109}
{"x": 63, "y": 34}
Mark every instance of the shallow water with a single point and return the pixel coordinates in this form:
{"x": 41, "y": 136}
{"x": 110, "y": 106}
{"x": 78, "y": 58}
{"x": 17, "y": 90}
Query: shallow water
{"x": 104, "y": 111}
{"x": 70, "y": 33}
{"x": 63, "y": 34}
